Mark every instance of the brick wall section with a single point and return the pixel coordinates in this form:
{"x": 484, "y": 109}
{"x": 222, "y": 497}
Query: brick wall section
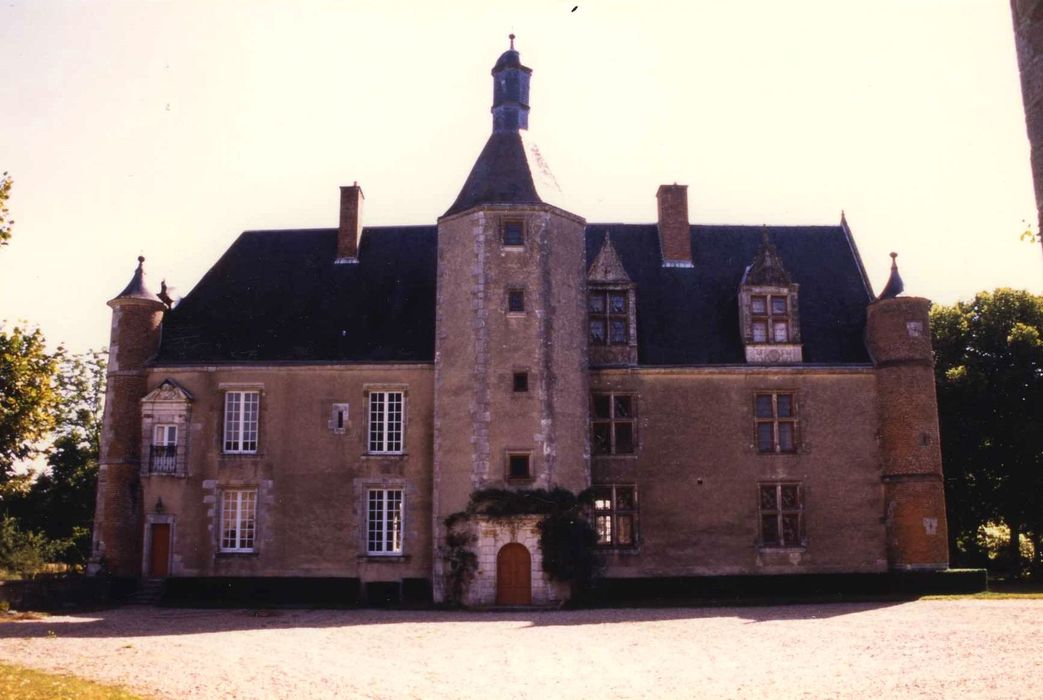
{"x": 675, "y": 238}
{"x": 311, "y": 482}
{"x": 899, "y": 340}
{"x": 697, "y": 471}
{"x": 134, "y": 339}
{"x": 1028, "y": 37}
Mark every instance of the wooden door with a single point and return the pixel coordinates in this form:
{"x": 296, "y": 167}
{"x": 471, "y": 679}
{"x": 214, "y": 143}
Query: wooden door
{"x": 513, "y": 575}
{"x": 159, "y": 562}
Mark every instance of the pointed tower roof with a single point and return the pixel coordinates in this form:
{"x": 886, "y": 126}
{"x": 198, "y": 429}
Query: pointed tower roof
{"x": 606, "y": 266}
{"x": 895, "y": 285}
{"x": 136, "y": 288}
{"x": 510, "y": 169}
{"x": 767, "y": 268}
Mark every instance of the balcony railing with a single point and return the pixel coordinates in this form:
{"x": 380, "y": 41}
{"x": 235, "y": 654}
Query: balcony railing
{"x": 163, "y": 459}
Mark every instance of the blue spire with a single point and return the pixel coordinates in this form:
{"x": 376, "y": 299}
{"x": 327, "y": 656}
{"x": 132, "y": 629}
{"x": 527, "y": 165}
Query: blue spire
{"x": 510, "y": 92}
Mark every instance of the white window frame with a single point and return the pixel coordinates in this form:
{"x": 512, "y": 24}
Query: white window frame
{"x": 236, "y": 425}
{"x": 385, "y": 540}
{"x": 241, "y": 506}
{"x": 383, "y": 425}
{"x": 166, "y": 440}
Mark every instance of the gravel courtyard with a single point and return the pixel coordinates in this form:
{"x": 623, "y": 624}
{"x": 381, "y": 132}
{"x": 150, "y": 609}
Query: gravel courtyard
{"x": 950, "y": 648}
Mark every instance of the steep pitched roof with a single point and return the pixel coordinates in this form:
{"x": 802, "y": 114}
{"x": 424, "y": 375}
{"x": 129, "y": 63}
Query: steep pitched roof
{"x": 276, "y": 296}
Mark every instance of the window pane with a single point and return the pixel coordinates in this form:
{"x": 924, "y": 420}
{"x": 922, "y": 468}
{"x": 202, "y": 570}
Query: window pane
{"x": 765, "y": 437}
{"x": 251, "y": 406}
{"x": 625, "y": 497}
{"x": 518, "y": 467}
{"x": 600, "y": 438}
{"x": 516, "y": 301}
{"x": 624, "y": 438}
{"x": 603, "y": 525}
{"x": 780, "y": 330}
{"x": 790, "y": 497}
{"x": 617, "y": 303}
{"x": 232, "y": 416}
{"x": 764, "y": 409}
{"x": 375, "y": 521}
{"x": 618, "y": 332}
{"x": 786, "y": 443}
{"x": 597, "y": 332}
{"x": 601, "y": 406}
{"x": 791, "y": 529}
{"x": 778, "y": 305}
{"x": 770, "y": 529}
{"x": 625, "y": 529}
{"x": 512, "y": 233}
{"x": 758, "y": 305}
{"x": 376, "y": 421}
{"x": 785, "y": 404}
{"x": 760, "y": 332}
{"x": 768, "y": 498}
{"x": 521, "y": 381}
{"x": 395, "y": 401}
{"x": 603, "y": 499}
{"x": 394, "y": 521}
{"x": 597, "y": 302}
{"x": 622, "y": 405}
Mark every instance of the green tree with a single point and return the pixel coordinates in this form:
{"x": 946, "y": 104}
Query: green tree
{"x": 989, "y": 370}
{"x": 59, "y": 503}
{"x": 6, "y": 223}
{"x": 29, "y": 395}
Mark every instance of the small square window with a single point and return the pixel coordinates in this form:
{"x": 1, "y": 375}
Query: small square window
{"x": 518, "y": 466}
{"x": 521, "y": 382}
{"x": 513, "y": 234}
{"x": 516, "y": 301}
{"x": 778, "y": 305}
{"x": 759, "y": 305}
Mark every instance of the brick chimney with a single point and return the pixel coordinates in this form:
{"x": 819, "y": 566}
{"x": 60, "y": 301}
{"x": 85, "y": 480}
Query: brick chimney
{"x": 675, "y": 240}
{"x": 349, "y": 234}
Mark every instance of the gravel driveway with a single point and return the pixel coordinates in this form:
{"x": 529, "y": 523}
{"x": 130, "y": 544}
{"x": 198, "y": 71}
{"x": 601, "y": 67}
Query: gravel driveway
{"x": 968, "y": 648}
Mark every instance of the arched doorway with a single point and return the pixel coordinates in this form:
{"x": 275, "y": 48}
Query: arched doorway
{"x": 514, "y": 575}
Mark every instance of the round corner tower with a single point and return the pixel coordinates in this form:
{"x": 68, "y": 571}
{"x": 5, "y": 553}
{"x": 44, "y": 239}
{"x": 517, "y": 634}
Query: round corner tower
{"x": 899, "y": 340}
{"x": 137, "y": 315}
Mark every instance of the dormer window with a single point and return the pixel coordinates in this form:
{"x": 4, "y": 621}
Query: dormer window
{"x": 768, "y": 318}
{"x": 611, "y": 310}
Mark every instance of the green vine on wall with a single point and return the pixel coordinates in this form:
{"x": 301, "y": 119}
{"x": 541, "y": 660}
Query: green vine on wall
{"x": 567, "y": 539}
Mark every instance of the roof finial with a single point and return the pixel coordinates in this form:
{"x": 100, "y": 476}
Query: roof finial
{"x": 895, "y": 285}
{"x": 511, "y": 37}
{"x": 141, "y": 260}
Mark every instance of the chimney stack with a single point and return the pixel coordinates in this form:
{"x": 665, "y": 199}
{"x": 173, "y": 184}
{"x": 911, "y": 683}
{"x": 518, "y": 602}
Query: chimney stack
{"x": 350, "y": 232}
{"x": 675, "y": 239}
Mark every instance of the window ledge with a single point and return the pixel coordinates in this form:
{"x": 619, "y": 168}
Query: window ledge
{"x": 236, "y": 555}
{"x": 769, "y": 548}
{"x": 630, "y": 455}
{"x": 384, "y": 558}
{"x": 384, "y": 455}
{"x": 240, "y": 455}
{"x": 175, "y": 475}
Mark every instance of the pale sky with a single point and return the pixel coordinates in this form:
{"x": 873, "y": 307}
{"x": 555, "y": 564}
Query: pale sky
{"x": 167, "y": 128}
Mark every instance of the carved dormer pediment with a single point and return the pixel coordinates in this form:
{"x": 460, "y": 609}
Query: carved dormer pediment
{"x": 607, "y": 268}
{"x": 168, "y": 391}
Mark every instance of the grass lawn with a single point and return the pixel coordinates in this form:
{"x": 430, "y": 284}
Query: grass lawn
{"x": 27, "y": 684}
{"x": 1000, "y": 590}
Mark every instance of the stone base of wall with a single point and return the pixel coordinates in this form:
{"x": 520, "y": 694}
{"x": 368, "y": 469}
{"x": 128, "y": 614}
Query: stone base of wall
{"x": 66, "y": 592}
{"x": 680, "y": 590}
{"x": 492, "y": 536}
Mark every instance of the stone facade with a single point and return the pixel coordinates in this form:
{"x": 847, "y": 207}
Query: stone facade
{"x": 731, "y": 408}
{"x": 1028, "y": 38}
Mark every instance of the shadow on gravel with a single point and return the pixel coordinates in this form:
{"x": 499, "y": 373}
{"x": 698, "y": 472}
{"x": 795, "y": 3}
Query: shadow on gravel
{"x": 134, "y": 621}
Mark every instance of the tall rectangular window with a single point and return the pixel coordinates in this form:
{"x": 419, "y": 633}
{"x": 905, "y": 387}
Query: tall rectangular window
{"x": 615, "y": 515}
{"x": 238, "y": 521}
{"x": 384, "y": 521}
{"x": 612, "y": 425}
{"x": 163, "y": 451}
{"x": 513, "y": 234}
{"x": 242, "y": 409}
{"x": 608, "y": 317}
{"x": 385, "y": 421}
{"x": 776, "y": 420}
{"x": 782, "y": 514}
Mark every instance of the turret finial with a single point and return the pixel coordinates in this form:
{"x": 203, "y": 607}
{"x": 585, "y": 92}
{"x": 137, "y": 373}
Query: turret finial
{"x": 895, "y": 285}
{"x": 141, "y": 259}
{"x": 511, "y": 37}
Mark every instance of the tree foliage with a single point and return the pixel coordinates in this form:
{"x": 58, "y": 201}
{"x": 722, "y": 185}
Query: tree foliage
{"x": 989, "y": 371}
{"x": 29, "y": 395}
{"x": 6, "y": 222}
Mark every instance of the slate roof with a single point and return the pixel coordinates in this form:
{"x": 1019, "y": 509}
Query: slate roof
{"x": 277, "y": 296}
